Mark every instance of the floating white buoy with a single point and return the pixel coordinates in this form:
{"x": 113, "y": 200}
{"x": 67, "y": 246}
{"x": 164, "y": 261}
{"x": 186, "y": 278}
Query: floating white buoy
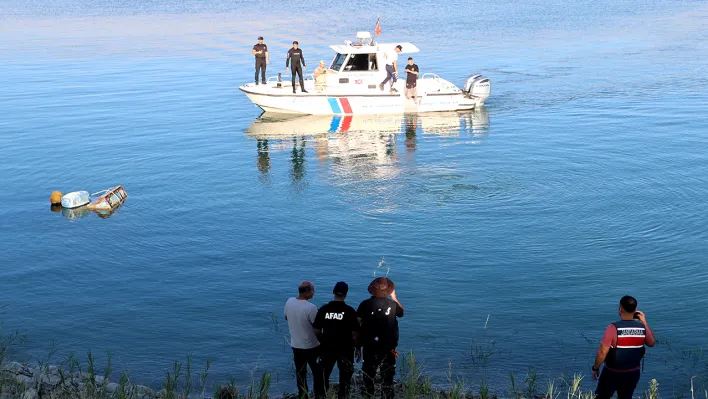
{"x": 75, "y": 199}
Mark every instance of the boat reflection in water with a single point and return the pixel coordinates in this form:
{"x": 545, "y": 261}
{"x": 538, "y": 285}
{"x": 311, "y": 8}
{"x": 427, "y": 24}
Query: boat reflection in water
{"x": 281, "y": 126}
{"x": 364, "y": 147}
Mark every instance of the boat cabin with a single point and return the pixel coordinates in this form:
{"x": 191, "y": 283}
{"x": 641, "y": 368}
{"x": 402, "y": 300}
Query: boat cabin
{"x": 363, "y": 62}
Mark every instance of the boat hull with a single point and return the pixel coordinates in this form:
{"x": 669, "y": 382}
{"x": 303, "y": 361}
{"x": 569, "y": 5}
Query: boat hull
{"x": 283, "y": 101}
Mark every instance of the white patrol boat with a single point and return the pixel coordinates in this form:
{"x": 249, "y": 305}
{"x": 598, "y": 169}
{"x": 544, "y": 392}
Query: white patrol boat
{"x": 351, "y": 86}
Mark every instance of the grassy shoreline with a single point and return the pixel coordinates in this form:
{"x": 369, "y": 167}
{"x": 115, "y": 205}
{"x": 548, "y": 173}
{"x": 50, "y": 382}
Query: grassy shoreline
{"x": 72, "y": 378}
{"x": 69, "y": 380}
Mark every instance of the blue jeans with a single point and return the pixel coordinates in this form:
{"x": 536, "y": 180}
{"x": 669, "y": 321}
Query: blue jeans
{"x": 389, "y": 75}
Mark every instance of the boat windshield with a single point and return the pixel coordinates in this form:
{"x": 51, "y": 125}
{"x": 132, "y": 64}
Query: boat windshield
{"x": 337, "y": 62}
{"x": 361, "y": 62}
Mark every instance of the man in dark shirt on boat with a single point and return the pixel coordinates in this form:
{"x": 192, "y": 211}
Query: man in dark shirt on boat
{"x": 339, "y": 332}
{"x": 411, "y": 79}
{"x": 379, "y": 335}
{"x": 260, "y": 50}
{"x": 295, "y": 54}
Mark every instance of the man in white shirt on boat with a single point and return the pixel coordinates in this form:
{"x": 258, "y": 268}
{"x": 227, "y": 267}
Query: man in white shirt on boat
{"x": 391, "y": 68}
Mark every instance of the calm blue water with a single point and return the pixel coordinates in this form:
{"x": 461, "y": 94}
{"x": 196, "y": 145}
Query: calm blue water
{"x": 585, "y": 178}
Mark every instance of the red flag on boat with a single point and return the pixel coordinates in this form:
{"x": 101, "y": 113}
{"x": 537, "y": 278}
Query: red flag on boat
{"x": 378, "y": 27}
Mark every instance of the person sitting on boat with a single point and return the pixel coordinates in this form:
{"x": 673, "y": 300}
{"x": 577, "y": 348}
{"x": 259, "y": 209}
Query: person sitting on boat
{"x": 320, "y": 76}
{"x": 391, "y": 68}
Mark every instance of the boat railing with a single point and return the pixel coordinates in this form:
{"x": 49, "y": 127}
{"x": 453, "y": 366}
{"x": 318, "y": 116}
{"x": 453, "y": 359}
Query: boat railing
{"x": 440, "y": 82}
{"x": 306, "y": 76}
{"x": 430, "y": 75}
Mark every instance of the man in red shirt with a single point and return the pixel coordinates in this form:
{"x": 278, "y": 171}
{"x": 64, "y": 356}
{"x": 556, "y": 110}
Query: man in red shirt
{"x": 622, "y": 349}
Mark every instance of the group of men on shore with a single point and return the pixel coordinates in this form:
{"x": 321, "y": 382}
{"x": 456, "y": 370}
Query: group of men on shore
{"x": 337, "y": 334}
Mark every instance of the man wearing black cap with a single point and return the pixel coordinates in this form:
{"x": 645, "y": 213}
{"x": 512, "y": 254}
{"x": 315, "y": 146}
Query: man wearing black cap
{"x": 260, "y": 50}
{"x": 295, "y": 54}
{"x": 379, "y": 334}
{"x": 339, "y": 332}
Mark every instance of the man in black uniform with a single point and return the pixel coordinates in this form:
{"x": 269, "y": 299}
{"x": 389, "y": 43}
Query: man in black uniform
{"x": 339, "y": 332}
{"x": 260, "y": 50}
{"x": 295, "y": 54}
{"x": 411, "y": 79}
{"x": 379, "y": 335}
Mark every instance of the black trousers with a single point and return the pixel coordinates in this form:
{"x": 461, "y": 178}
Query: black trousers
{"x": 261, "y": 66}
{"x": 297, "y": 69}
{"x": 345, "y": 364}
{"x": 383, "y": 361}
{"x": 303, "y": 358}
{"x": 613, "y": 381}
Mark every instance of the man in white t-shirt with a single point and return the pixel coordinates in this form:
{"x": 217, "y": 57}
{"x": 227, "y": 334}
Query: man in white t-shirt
{"x": 391, "y": 68}
{"x": 300, "y": 315}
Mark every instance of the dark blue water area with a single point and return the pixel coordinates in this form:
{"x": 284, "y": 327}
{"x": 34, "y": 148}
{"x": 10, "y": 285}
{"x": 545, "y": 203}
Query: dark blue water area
{"x": 512, "y": 229}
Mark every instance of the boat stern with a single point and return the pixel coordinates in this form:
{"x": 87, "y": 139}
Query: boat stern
{"x": 478, "y": 88}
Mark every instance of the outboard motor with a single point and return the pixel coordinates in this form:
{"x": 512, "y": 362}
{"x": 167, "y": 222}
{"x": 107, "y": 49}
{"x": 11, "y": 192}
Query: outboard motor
{"x": 478, "y": 86}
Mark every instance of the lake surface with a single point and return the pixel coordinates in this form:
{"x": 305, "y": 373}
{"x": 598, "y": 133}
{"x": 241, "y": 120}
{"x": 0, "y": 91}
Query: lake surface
{"x": 511, "y": 231}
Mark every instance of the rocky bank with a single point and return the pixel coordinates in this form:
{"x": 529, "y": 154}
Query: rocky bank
{"x": 27, "y": 382}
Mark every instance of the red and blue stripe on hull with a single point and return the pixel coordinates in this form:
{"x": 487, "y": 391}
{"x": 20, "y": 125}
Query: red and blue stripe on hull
{"x": 340, "y": 105}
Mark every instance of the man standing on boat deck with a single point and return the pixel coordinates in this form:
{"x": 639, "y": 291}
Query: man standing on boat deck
{"x": 339, "y": 332}
{"x": 260, "y": 50}
{"x": 622, "y": 349}
{"x": 300, "y": 315}
{"x": 295, "y": 54}
{"x": 411, "y": 79}
{"x": 379, "y": 335}
{"x": 391, "y": 68}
